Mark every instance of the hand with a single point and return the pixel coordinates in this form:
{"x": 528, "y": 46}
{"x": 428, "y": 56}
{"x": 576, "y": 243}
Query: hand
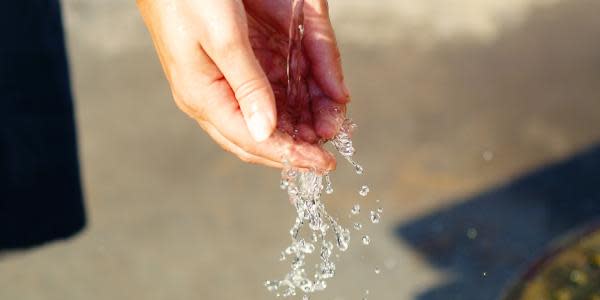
{"x": 226, "y": 64}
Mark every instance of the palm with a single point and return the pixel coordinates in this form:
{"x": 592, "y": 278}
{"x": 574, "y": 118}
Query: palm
{"x": 308, "y": 113}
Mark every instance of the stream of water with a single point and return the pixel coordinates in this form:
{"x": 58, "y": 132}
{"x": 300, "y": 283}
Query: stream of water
{"x": 315, "y": 232}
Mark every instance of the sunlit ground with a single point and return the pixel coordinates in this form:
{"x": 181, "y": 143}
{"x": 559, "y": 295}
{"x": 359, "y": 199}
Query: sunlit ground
{"x": 478, "y": 129}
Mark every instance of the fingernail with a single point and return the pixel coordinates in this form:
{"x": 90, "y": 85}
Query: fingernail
{"x": 260, "y": 126}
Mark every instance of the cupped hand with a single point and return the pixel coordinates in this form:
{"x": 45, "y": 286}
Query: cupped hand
{"x": 226, "y": 63}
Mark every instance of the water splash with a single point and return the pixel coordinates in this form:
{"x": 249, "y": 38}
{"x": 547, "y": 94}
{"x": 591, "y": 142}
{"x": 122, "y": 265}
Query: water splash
{"x": 366, "y": 240}
{"x": 355, "y": 209}
{"x": 328, "y": 185}
{"x": 357, "y": 226}
{"x": 364, "y": 191}
{"x": 375, "y": 217}
{"x": 314, "y": 231}
{"x": 304, "y": 191}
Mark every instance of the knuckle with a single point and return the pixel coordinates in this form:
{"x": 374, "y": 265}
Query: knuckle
{"x": 226, "y": 44}
{"x": 253, "y": 86}
{"x": 228, "y": 40}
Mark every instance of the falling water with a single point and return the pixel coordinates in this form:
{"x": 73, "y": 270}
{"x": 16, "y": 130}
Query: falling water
{"x": 314, "y": 228}
{"x": 314, "y": 231}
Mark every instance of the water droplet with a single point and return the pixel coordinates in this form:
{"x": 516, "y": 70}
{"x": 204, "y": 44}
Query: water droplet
{"x": 306, "y": 285}
{"x": 291, "y": 250}
{"x": 305, "y": 297}
{"x": 320, "y": 285}
{"x": 375, "y": 217}
{"x": 297, "y": 263}
{"x": 329, "y": 190}
{"x": 343, "y": 238}
{"x": 487, "y": 155}
{"x": 380, "y": 210}
{"x": 282, "y": 256}
{"x": 325, "y": 254}
{"x": 358, "y": 169}
{"x": 271, "y": 285}
{"x": 377, "y": 201}
{"x": 307, "y": 247}
{"x": 355, "y": 209}
{"x": 357, "y": 226}
{"x": 366, "y": 240}
{"x": 377, "y": 270}
{"x": 284, "y": 184}
{"x": 328, "y": 185}
{"x": 327, "y": 269}
{"x": 292, "y": 173}
{"x": 293, "y": 191}
{"x": 364, "y": 190}
{"x": 472, "y": 233}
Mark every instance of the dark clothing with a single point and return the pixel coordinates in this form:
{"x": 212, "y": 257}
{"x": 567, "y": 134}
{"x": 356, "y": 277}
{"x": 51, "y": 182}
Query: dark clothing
{"x": 40, "y": 192}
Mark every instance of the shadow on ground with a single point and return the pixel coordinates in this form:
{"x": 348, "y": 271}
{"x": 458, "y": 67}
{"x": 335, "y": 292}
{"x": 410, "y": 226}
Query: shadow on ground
{"x": 485, "y": 241}
{"x": 543, "y": 72}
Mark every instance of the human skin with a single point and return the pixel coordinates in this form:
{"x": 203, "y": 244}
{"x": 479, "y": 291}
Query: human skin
{"x": 226, "y": 62}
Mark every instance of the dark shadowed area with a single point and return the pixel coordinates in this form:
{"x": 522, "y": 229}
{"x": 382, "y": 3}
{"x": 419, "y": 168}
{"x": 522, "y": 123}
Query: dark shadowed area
{"x": 488, "y": 239}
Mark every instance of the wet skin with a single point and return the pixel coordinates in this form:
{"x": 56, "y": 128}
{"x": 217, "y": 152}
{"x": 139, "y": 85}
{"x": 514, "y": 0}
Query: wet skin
{"x": 226, "y": 63}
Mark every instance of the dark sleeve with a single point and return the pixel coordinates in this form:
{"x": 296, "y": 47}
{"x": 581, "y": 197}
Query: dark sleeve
{"x": 40, "y": 190}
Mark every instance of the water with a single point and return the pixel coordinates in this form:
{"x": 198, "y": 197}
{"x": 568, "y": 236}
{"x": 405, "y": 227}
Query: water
{"x": 315, "y": 232}
{"x": 366, "y": 240}
{"x": 328, "y": 185}
{"x": 326, "y": 237}
{"x": 375, "y": 217}
{"x": 364, "y": 191}
{"x": 355, "y": 209}
{"x": 472, "y": 233}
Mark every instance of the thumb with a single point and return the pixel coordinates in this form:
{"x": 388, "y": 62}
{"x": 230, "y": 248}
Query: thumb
{"x": 230, "y": 49}
{"x": 252, "y": 90}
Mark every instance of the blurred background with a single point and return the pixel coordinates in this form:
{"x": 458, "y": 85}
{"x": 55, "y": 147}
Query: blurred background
{"x": 479, "y": 130}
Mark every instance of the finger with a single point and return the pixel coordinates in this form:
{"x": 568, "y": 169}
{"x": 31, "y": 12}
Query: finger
{"x": 328, "y": 114}
{"x": 235, "y": 149}
{"x": 322, "y": 51}
{"x": 307, "y": 133}
{"x": 329, "y": 117}
{"x": 279, "y": 146}
{"x": 225, "y": 40}
{"x": 305, "y": 126}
